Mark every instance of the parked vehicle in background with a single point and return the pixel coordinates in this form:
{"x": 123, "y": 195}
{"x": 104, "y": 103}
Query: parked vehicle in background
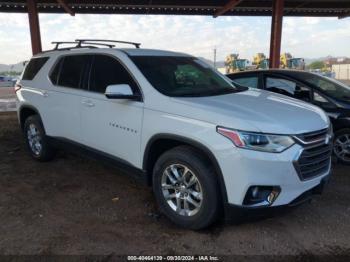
{"x": 235, "y": 64}
{"x": 6, "y": 81}
{"x": 329, "y": 94}
{"x": 204, "y": 145}
{"x": 290, "y": 62}
{"x": 260, "y": 61}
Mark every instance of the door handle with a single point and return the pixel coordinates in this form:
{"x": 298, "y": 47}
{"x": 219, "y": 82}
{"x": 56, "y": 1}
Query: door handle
{"x": 88, "y": 103}
{"x": 44, "y": 93}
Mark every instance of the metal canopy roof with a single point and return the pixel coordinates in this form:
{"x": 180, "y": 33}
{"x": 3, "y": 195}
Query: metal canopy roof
{"x": 338, "y": 8}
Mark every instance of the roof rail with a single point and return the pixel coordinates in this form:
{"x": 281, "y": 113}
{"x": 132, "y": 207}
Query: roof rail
{"x": 82, "y": 41}
{"x": 89, "y": 43}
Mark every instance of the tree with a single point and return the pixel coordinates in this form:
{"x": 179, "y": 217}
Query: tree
{"x": 10, "y": 73}
{"x": 316, "y": 65}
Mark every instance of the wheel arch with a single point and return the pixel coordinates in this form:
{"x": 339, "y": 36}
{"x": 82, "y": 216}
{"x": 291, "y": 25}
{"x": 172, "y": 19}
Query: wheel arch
{"x": 341, "y": 123}
{"x": 160, "y": 143}
{"x": 25, "y": 111}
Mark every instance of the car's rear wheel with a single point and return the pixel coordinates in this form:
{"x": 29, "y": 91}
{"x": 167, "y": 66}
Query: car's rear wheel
{"x": 186, "y": 188}
{"x": 342, "y": 146}
{"x": 36, "y": 139}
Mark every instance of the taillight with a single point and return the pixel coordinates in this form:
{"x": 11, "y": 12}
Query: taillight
{"x": 17, "y": 87}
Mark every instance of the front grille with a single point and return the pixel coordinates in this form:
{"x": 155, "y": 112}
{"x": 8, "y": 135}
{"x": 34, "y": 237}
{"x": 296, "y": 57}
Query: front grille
{"x": 311, "y": 137}
{"x": 315, "y": 158}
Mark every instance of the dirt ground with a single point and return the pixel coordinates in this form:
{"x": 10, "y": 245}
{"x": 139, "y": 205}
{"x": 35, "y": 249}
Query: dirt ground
{"x": 7, "y": 99}
{"x": 74, "y": 205}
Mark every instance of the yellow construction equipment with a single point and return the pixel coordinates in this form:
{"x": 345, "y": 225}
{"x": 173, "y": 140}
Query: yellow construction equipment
{"x": 234, "y": 64}
{"x": 260, "y": 61}
{"x": 290, "y": 62}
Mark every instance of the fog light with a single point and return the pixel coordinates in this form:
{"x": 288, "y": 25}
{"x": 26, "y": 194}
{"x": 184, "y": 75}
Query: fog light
{"x": 255, "y": 192}
{"x": 261, "y": 195}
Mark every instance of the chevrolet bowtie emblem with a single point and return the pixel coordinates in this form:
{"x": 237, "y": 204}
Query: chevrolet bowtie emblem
{"x": 327, "y": 139}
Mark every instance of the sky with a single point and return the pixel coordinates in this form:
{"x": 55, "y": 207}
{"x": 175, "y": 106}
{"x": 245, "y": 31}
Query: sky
{"x": 198, "y": 35}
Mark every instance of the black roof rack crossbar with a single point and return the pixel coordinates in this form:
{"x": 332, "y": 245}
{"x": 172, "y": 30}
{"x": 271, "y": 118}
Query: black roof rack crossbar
{"x": 57, "y": 43}
{"x": 78, "y": 44}
{"x": 81, "y": 41}
{"x": 92, "y": 43}
{"x": 89, "y": 43}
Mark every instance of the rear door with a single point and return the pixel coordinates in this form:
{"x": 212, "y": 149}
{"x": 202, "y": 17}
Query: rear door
{"x": 112, "y": 126}
{"x": 63, "y": 116}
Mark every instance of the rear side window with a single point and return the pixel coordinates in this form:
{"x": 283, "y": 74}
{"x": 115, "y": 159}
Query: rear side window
{"x": 33, "y": 67}
{"x": 249, "y": 81}
{"x": 70, "y": 71}
{"x": 107, "y": 71}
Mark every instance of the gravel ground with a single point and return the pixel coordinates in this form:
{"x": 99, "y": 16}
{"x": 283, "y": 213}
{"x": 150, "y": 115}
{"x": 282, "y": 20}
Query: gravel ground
{"x": 74, "y": 205}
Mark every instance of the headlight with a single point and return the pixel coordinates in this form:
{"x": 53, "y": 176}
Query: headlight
{"x": 257, "y": 141}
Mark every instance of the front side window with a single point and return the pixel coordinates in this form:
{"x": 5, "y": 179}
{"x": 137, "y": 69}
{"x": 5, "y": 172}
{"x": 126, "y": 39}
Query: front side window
{"x": 248, "y": 81}
{"x": 288, "y": 88}
{"x": 106, "y": 71}
{"x": 330, "y": 87}
{"x": 321, "y": 101}
{"x": 71, "y": 71}
{"x": 182, "y": 76}
{"x": 33, "y": 67}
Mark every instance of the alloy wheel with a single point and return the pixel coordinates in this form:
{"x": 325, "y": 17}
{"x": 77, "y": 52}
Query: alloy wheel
{"x": 34, "y": 139}
{"x": 342, "y": 147}
{"x": 182, "y": 190}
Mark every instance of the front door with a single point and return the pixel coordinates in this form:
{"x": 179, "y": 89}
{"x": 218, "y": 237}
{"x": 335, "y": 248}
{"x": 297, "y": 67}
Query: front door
{"x": 112, "y": 126}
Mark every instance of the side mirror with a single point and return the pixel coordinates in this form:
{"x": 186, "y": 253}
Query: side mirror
{"x": 122, "y": 91}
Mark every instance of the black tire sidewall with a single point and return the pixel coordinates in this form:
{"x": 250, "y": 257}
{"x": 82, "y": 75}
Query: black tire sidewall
{"x": 204, "y": 172}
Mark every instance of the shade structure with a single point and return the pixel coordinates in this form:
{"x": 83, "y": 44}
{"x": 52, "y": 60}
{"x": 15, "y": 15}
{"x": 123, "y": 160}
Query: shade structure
{"x": 275, "y": 8}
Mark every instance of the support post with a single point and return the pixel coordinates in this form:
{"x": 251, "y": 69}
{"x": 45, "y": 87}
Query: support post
{"x": 34, "y": 26}
{"x": 276, "y": 33}
{"x": 230, "y": 4}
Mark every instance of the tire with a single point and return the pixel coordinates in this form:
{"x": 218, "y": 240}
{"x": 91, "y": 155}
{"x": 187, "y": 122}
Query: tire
{"x": 204, "y": 193}
{"x": 36, "y": 139}
{"x": 341, "y": 148}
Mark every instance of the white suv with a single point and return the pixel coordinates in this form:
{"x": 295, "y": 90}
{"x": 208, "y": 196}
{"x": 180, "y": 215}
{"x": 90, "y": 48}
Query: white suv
{"x": 206, "y": 146}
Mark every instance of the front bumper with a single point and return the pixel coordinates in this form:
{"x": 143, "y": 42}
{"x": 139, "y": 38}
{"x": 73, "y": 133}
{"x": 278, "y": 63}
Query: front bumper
{"x": 242, "y": 169}
{"x": 242, "y": 213}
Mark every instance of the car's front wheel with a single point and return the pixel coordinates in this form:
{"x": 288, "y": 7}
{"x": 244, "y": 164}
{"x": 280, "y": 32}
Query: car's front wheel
{"x": 186, "y": 188}
{"x": 36, "y": 139}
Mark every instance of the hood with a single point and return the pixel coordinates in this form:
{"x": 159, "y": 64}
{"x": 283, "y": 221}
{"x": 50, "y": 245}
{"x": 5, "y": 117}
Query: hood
{"x": 256, "y": 110}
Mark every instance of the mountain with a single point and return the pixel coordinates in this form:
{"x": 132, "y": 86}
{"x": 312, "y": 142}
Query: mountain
{"x": 15, "y": 67}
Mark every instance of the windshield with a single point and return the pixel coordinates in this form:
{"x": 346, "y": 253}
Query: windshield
{"x": 331, "y": 87}
{"x": 182, "y": 76}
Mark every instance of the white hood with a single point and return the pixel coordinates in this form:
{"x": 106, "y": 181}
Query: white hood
{"x": 255, "y": 110}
